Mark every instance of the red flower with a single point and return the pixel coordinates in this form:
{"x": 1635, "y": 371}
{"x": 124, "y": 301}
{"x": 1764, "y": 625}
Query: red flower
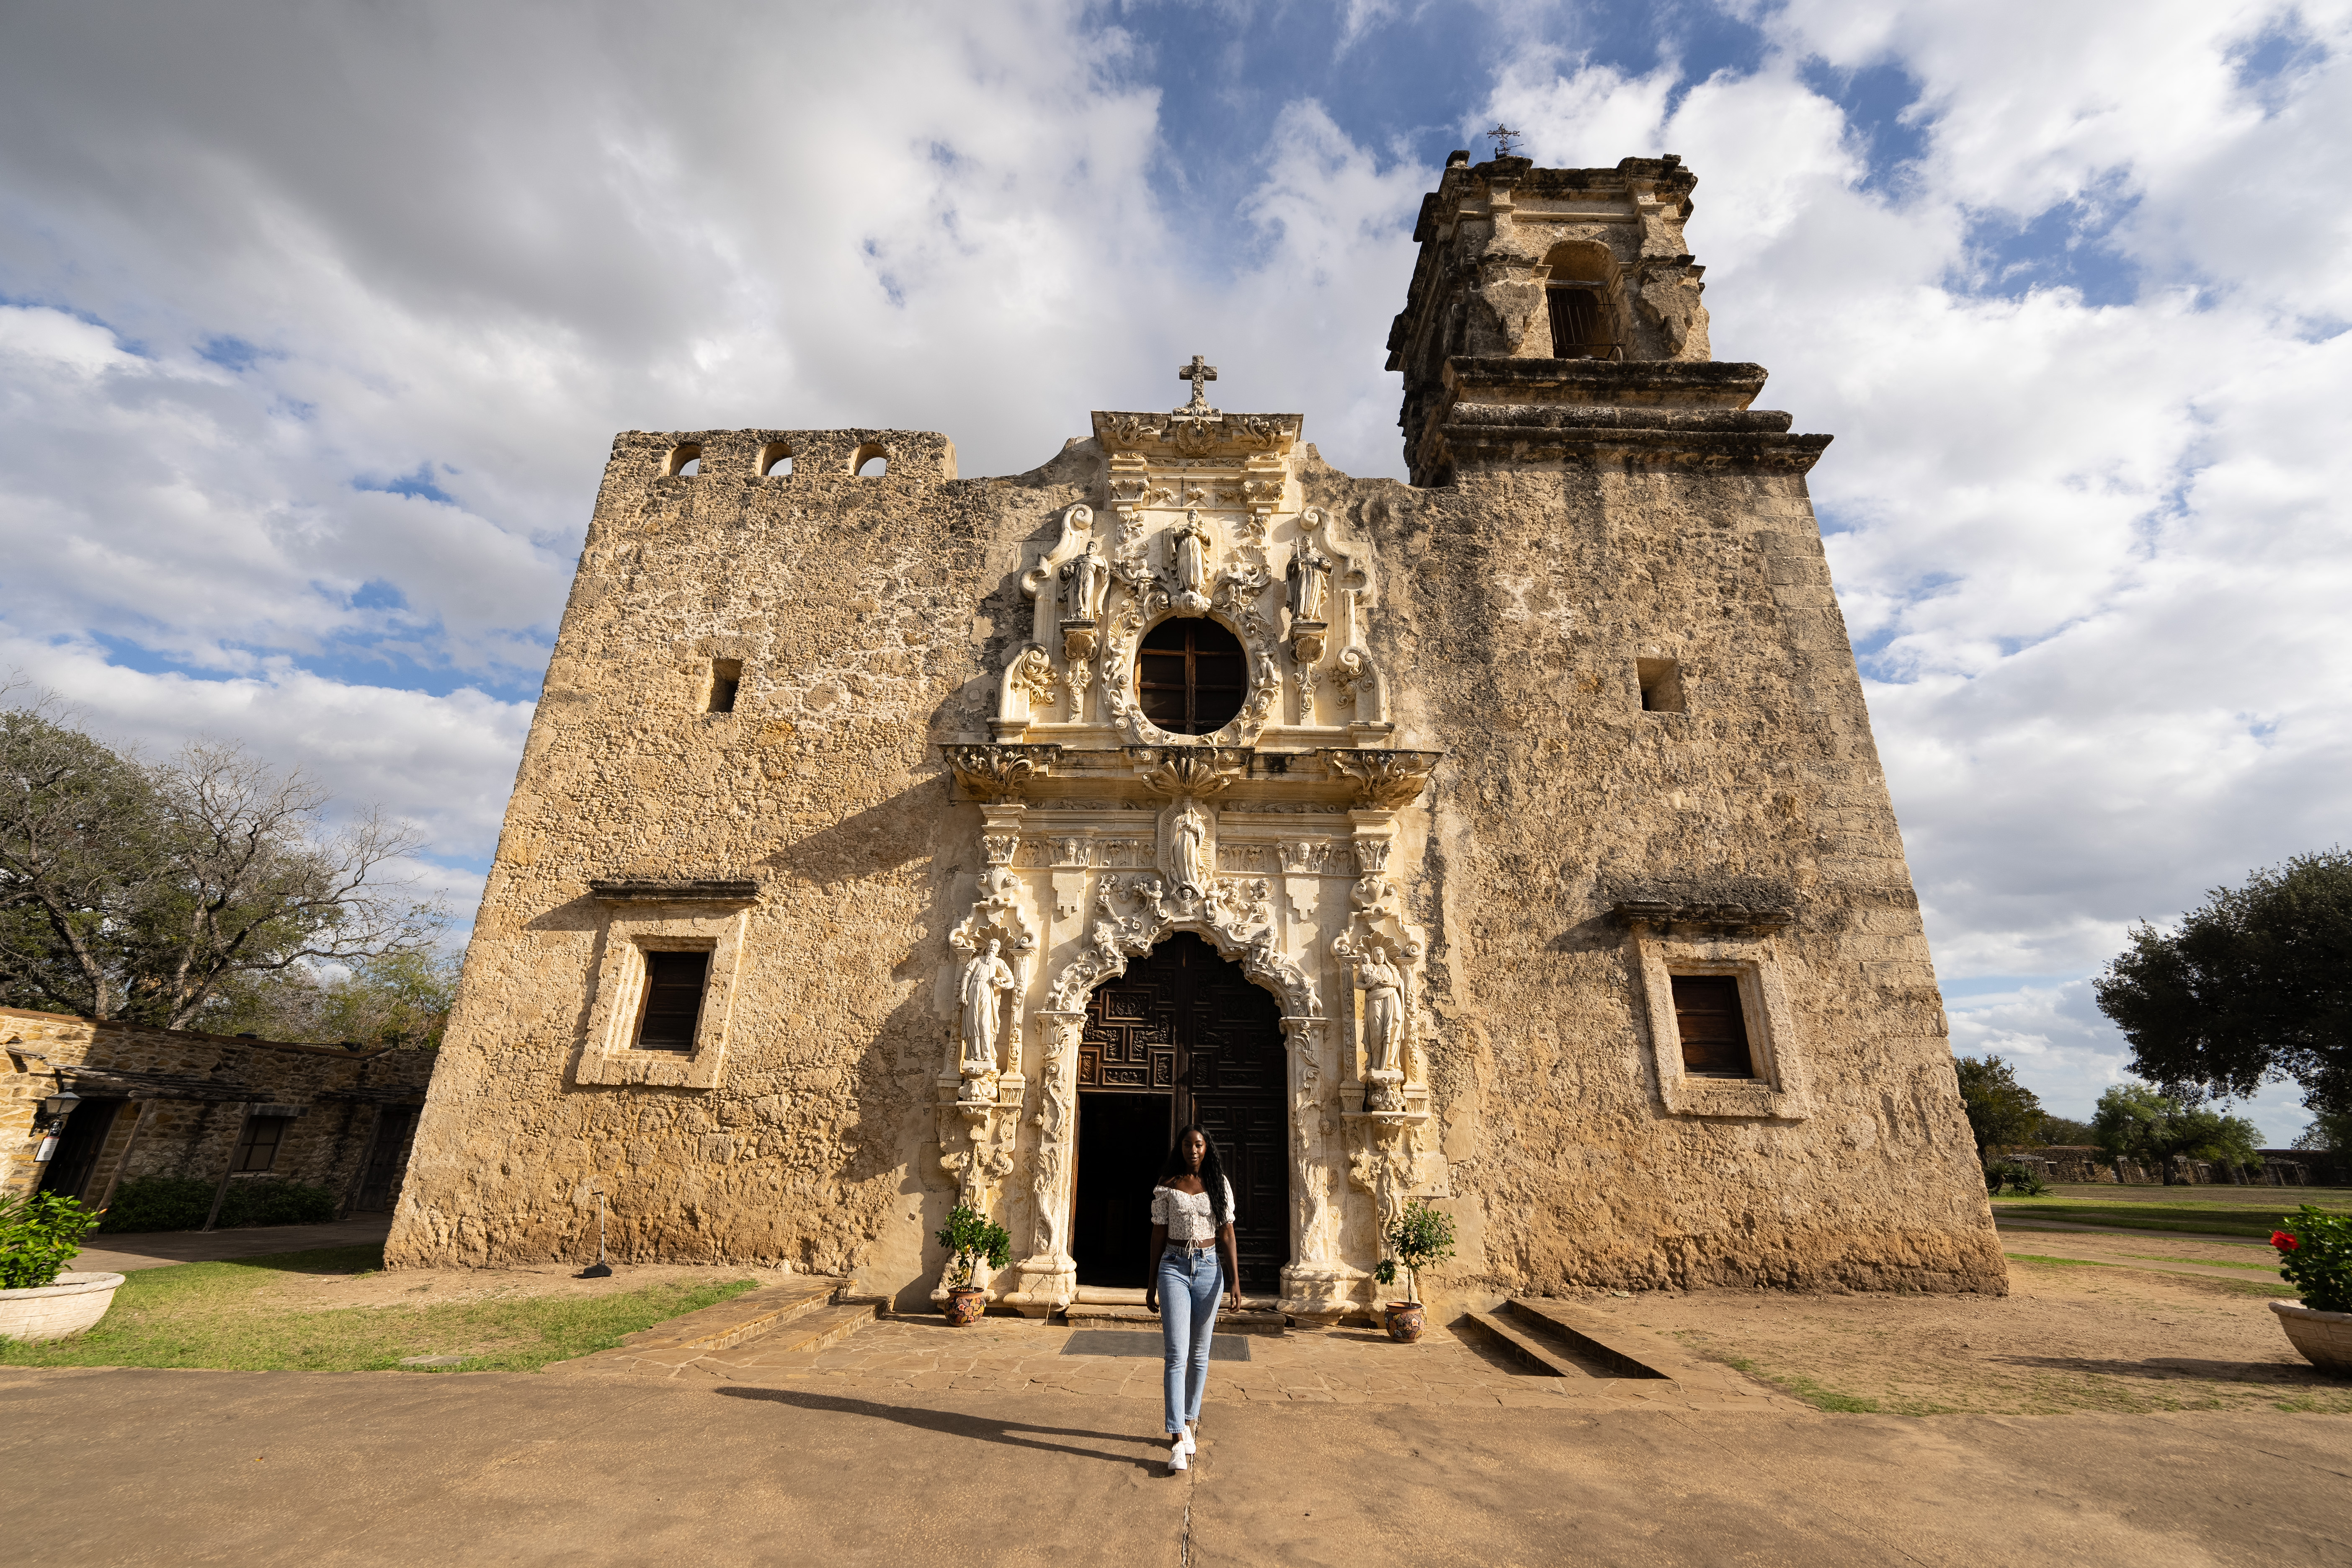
{"x": 2284, "y": 1242}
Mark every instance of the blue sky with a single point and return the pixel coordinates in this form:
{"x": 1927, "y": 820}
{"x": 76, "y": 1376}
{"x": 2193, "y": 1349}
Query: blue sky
{"x": 315, "y": 328}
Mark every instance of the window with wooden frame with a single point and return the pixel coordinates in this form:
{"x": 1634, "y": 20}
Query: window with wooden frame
{"x": 672, "y": 1006}
{"x": 1712, "y": 1023}
{"x": 1190, "y": 675}
{"x": 257, "y": 1145}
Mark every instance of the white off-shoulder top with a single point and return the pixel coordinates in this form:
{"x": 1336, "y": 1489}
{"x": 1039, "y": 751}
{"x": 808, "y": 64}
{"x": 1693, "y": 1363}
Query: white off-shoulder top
{"x": 1187, "y": 1216}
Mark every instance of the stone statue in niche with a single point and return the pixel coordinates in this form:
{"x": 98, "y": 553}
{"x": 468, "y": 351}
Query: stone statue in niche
{"x": 1192, "y": 563}
{"x": 1310, "y": 583}
{"x": 1191, "y": 830}
{"x": 985, "y": 980}
{"x": 1383, "y": 987}
{"x": 1084, "y": 579}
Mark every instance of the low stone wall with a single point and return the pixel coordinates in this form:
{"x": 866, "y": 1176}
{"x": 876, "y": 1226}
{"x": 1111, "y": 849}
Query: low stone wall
{"x": 176, "y": 1102}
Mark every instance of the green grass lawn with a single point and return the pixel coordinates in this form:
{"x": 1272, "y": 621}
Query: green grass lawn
{"x": 223, "y": 1315}
{"x": 2255, "y": 1216}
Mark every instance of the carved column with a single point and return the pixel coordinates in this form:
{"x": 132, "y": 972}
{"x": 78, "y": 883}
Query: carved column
{"x": 1048, "y": 1278}
{"x": 1317, "y": 1286}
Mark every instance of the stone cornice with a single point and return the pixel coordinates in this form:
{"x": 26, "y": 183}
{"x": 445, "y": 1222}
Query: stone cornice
{"x": 728, "y": 891}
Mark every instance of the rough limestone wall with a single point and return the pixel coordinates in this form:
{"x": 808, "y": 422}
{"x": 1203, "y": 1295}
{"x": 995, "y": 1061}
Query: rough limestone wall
{"x": 871, "y": 618}
{"x": 187, "y": 1137}
{"x": 1516, "y": 603}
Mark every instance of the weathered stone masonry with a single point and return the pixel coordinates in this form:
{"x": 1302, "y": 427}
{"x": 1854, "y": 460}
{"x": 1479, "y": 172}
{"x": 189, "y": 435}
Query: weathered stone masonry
{"x": 172, "y": 1103}
{"x": 1517, "y": 746}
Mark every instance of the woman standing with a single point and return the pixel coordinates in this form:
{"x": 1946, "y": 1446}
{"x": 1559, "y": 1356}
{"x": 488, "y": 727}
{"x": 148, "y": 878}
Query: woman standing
{"x": 1193, "y": 1263}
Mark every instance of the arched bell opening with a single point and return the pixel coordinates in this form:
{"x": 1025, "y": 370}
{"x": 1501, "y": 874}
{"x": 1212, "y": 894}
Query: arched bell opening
{"x": 1183, "y": 1035}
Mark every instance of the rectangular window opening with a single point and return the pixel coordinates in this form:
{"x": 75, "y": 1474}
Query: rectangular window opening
{"x": 726, "y": 677}
{"x": 673, "y": 1002}
{"x": 1713, "y": 1026}
{"x": 1662, "y": 685}
{"x": 256, "y": 1147}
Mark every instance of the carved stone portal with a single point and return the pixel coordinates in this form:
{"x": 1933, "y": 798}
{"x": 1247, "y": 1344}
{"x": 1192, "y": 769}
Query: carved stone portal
{"x": 1277, "y": 839}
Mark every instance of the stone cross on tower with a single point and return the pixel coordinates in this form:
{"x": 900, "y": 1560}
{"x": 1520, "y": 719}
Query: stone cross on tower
{"x": 1199, "y": 374}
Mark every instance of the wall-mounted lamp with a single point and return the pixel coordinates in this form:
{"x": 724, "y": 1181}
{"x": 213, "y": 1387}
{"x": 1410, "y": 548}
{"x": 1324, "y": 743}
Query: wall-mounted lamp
{"x": 51, "y": 1116}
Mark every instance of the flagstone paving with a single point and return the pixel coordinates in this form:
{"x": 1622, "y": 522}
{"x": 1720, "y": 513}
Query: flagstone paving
{"x": 1329, "y": 1367}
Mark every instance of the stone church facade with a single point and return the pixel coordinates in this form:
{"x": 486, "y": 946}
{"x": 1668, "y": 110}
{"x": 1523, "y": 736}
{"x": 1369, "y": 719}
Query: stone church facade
{"x": 1513, "y": 838}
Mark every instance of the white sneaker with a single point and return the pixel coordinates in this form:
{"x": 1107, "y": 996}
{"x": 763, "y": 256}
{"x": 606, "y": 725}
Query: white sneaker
{"x": 1177, "y": 1461}
{"x": 1185, "y": 1442}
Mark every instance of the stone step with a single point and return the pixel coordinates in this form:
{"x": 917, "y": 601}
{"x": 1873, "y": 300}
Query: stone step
{"x": 754, "y": 1315}
{"x": 815, "y": 1331}
{"x": 1625, "y": 1350}
{"x": 1110, "y": 1295}
{"x": 1097, "y": 1315}
{"x": 1528, "y": 1347}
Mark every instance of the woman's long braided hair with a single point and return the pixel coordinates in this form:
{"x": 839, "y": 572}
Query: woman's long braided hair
{"x": 1212, "y": 1170}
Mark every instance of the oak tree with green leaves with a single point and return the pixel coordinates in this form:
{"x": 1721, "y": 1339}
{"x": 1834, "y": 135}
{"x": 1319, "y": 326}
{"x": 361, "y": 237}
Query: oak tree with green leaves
{"x": 2254, "y": 987}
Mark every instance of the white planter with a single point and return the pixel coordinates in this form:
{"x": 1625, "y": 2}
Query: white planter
{"x": 2324, "y": 1338}
{"x": 52, "y": 1311}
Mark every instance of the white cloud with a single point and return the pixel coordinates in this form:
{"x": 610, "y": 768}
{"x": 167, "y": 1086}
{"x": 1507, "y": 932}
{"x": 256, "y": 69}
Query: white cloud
{"x": 2099, "y": 551}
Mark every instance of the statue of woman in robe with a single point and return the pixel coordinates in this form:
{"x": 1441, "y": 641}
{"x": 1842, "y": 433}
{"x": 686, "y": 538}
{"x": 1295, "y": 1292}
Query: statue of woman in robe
{"x": 1310, "y": 582}
{"x": 1384, "y": 989}
{"x": 1086, "y": 576}
{"x": 1193, "y": 555}
{"x": 985, "y": 978}
{"x": 1192, "y": 846}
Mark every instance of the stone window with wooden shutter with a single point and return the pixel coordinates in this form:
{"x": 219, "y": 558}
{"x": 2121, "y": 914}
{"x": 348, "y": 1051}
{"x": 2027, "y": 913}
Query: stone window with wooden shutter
{"x": 665, "y": 985}
{"x": 1722, "y": 1038}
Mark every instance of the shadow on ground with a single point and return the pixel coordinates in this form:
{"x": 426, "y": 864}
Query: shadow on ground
{"x": 985, "y": 1429}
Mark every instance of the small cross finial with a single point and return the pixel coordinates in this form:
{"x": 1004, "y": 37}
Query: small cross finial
{"x": 1200, "y": 373}
{"x": 1506, "y": 139}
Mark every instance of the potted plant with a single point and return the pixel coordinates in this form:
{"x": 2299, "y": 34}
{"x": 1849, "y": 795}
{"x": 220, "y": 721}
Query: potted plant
{"x": 39, "y": 1299}
{"x": 1422, "y": 1238}
{"x": 2316, "y": 1254}
{"x": 968, "y": 1237}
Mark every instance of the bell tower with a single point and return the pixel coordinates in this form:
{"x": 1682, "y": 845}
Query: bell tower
{"x": 1555, "y": 313}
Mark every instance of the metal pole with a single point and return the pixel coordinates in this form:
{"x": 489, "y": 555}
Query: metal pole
{"x": 222, "y": 1191}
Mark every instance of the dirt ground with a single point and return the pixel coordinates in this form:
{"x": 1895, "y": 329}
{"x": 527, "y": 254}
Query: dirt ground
{"x": 2068, "y": 1337}
{"x": 304, "y": 1292}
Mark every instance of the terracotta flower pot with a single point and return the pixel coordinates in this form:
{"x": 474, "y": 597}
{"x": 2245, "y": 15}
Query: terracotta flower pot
{"x": 1408, "y": 1320}
{"x": 965, "y": 1305}
{"x": 2324, "y": 1338}
{"x": 52, "y": 1311}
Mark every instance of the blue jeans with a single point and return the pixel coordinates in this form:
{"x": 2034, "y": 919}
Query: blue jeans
{"x": 1191, "y": 1286}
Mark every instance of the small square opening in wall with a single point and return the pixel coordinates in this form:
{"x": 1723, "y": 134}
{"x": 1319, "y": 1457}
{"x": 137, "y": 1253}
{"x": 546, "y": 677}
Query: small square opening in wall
{"x": 674, "y": 983}
{"x": 1662, "y": 685}
{"x": 1713, "y": 1026}
{"x": 725, "y": 679}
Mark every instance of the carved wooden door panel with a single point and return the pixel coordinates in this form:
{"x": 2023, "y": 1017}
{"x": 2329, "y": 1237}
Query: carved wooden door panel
{"x": 1185, "y": 1020}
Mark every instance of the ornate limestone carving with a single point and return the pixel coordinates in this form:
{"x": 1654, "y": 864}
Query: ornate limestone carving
{"x": 1309, "y": 583}
{"x": 1386, "y": 779}
{"x": 1195, "y": 860}
{"x": 1126, "y": 432}
{"x": 992, "y": 773}
{"x": 1191, "y": 548}
{"x": 1135, "y": 913}
{"x": 979, "y": 995}
{"x": 1384, "y": 989}
{"x": 1084, "y": 579}
{"x": 1029, "y": 684}
{"x": 1304, "y": 856}
{"x": 1199, "y": 770}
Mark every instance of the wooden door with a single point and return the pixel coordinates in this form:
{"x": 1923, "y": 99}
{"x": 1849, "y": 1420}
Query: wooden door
{"x": 1184, "y": 1021}
{"x": 380, "y": 1183}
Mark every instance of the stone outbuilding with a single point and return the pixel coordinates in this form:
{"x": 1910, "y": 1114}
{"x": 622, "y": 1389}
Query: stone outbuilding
{"x": 179, "y": 1102}
{"x": 1512, "y": 838}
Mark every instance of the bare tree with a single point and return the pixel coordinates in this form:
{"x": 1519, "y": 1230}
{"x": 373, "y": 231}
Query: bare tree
{"x": 257, "y": 887}
{"x": 79, "y": 857}
{"x": 146, "y": 893}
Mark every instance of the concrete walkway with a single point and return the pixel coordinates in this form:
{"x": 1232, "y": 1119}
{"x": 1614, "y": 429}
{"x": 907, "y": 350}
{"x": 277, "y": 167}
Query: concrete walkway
{"x": 197, "y": 1466}
{"x": 156, "y": 1248}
